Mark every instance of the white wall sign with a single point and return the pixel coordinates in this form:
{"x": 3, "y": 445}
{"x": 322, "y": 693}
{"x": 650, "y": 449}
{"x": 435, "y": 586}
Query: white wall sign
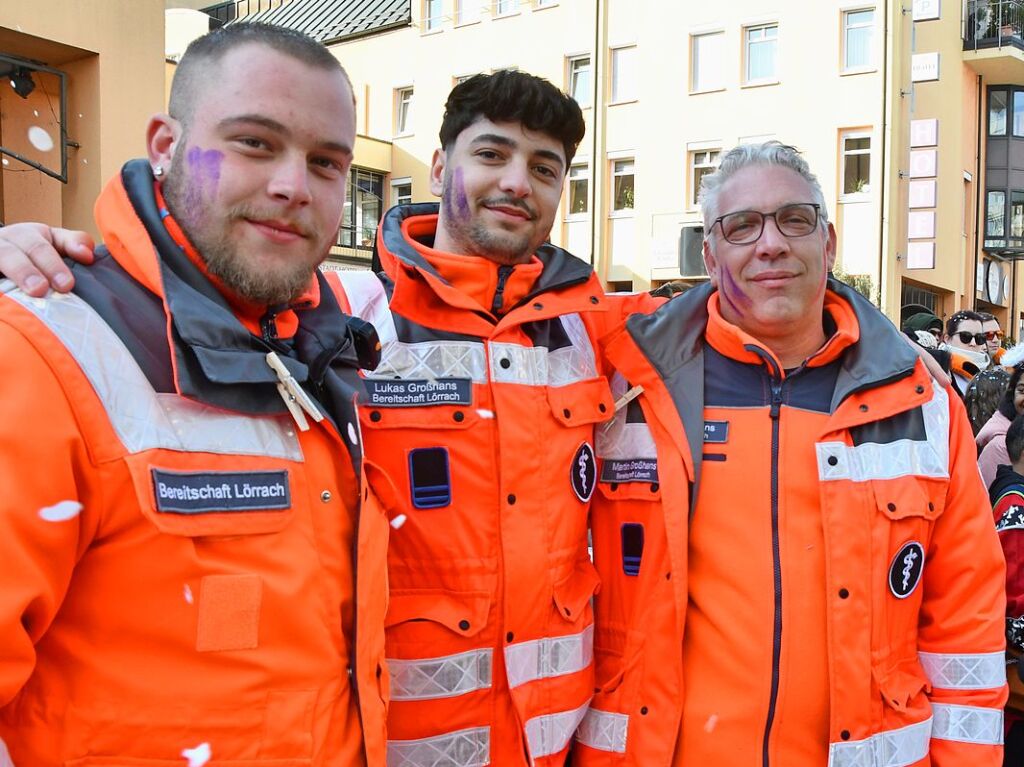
{"x": 924, "y": 163}
{"x": 920, "y": 255}
{"x": 926, "y": 10}
{"x": 924, "y": 132}
{"x": 922, "y": 193}
{"x": 924, "y": 67}
{"x": 921, "y": 224}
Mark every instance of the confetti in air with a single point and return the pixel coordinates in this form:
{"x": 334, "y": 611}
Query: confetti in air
{"x": 61, "y": 512}
{"x": 188, "y": 594}
{"x": 398, "y": 521}
{"x": 711, "y": 723}
{"x": 485, "y": 413}
{"x": 40, "y": 138}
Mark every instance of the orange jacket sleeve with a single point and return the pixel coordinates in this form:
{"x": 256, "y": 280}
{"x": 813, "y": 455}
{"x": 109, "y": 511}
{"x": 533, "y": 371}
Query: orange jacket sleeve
{"x": 43, "y": 511}
{"x": 960, "y": 634}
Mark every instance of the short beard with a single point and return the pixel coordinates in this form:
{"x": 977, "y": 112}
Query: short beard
{"x": 220, "y": 253}
{"x": 476, "y": 239}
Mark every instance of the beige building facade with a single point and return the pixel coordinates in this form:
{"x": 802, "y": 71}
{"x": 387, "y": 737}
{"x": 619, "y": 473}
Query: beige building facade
{"x": 911, "y": 114}
{"x": 79, "y": 80}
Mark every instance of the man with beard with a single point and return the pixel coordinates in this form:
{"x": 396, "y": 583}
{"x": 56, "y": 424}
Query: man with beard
{"x": 183, "y": 512}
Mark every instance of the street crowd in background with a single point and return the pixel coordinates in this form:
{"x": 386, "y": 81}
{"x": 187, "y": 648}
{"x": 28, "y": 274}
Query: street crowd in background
{"x": 470, "y": 510}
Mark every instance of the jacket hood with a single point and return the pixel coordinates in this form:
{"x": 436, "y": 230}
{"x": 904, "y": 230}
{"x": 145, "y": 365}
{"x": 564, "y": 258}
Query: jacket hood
{"x": 392, "y": 250}
{"x": 1005, "y": 479}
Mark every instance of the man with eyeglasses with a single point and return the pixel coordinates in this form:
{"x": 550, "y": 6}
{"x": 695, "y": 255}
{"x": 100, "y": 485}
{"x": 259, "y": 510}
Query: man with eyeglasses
{"x": 797, "y": 558}
{"x": 966, "y": 343}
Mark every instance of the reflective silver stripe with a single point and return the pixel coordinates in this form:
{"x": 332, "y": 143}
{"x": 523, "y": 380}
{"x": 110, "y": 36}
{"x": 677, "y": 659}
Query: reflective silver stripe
{"x": 968, "y": 724}
{"x": 894, "y": 748}
{"x": 904, "y": 457}
{"x": 431, "y": 678}
{"x": 142, "y": 418}
{"x": 464, "y": 748}
{"x": 550, "y": 733}
{"x": 618, "y": 440}
{"x": 428, "y": 360}
{"x": 548, "y": 657}
{"x": 537, "y": 366}
{"x": 964, "y": 672}
{"x": 604, "y": 731}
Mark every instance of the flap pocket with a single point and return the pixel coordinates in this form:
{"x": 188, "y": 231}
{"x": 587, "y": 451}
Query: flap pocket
{"x": 182, "y": 495}
{"x": 632, "y": 490}
{"x": 901, "y": 684}
{"x": 464, "y": 612}
{"x": 130, "y": 761}
{"x": 573, "y": 593}
{"x": 423, "y": 417}
{"x": 909, "y": 497}
{"x": 584, "y": 402}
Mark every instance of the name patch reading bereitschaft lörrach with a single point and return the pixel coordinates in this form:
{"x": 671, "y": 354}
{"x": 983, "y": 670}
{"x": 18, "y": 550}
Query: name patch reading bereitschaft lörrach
{"x": 208, "y": 492}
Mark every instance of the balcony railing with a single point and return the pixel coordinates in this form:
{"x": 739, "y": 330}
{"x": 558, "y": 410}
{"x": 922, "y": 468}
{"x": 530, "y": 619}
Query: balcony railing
{"x": 993, "y": 23}
{"x": 239, "y": 9}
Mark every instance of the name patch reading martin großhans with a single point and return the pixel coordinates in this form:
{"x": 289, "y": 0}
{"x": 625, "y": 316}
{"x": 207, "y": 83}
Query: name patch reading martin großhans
{"x": 219, "y": 491}
{"x": 396, "y": 392}
{"x": 630, "y": 470}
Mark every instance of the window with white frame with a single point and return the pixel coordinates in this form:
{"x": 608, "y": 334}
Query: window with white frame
{"x": 432, "y": 15}
{"x": 579, "y": 190}
{"x": 467, "y": 11}
{"x": 702, "y": 163}
{"x": 858, "y": 38}
{"x": 505, "y": 7}
{"x": 622, "y": 185}
{"x": 403, "y": 111}
{"x": 856, "y": 148}
{"x": 579, "y": 80}
{"x": 401, "y": 191}
{"x": 363, "y": 207}
{"x": 624, "y": 73}
{"x": 707, "y": 65}
{"x": 761, "y": 47}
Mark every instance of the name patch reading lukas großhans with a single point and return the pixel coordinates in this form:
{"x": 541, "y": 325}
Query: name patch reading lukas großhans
{"x": 219, "y": 491}
{"x": 396, "y": 392}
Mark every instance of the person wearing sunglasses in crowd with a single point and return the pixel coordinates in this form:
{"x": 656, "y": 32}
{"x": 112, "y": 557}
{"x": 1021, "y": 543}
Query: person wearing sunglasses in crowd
{"x": 965, "y": 340}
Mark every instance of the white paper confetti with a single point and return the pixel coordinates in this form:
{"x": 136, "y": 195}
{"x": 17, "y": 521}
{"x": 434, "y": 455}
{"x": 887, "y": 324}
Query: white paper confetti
{"x": 352, "y": 436}
{"x": 40, "y": 138}
{"x": 188, "y": 594}
{"x": 398, "y": 521}
{"x": 197, "y": 756}
{"x": 485, "y": 413}
{"x": 61, "y": 512}
{"x": 711, "y": 723}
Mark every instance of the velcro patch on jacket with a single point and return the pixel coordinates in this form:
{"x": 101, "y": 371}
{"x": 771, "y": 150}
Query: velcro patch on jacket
{"x": 209, "y": 492}
{"x": 630, "y": 470}
{"x": 397, "y": 392}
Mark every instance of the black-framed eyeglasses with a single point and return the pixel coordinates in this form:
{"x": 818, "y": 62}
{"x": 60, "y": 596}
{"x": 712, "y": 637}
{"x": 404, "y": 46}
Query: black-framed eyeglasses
{"x": 966, "y": 337}
{"x": 746, "y": 226}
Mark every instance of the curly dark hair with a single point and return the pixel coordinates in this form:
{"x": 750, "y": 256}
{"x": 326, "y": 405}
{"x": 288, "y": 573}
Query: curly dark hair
{"x": 511, "y": 96}
{"x": 984, "y": 395}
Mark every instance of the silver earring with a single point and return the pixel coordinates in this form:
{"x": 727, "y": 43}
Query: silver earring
{"x": 158, "y": 171}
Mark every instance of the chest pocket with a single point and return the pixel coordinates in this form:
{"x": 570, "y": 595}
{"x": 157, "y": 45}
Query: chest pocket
{"x": 581, "y": 404}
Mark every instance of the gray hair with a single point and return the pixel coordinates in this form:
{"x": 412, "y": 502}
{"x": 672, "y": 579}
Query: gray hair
{"x": 738, "y": 158}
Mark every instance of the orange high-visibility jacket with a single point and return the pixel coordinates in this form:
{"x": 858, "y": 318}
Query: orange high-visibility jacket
{"x": 484, "y": 428}
{"x": 187, "y": 577}
{"x": 798, "y": 568}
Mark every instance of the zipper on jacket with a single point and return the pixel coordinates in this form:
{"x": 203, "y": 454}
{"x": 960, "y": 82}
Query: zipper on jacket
{"x": 776, "y": 407}
{"x": 504, "y": 272}
{"x": 268, "y": 326}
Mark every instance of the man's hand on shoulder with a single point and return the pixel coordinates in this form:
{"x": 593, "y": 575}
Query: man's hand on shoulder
{"x": 30, "y": 255}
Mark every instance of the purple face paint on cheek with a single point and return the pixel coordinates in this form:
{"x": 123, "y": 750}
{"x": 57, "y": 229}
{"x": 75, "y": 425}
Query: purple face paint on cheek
{"x": 203, "y": 179}
{"x": 461, "y": 201}
{"x": 733, "y": 294}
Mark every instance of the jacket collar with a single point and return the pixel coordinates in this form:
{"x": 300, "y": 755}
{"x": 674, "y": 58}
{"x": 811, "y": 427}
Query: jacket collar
{"x": 216, "y": 360}
{"x": 401, "y": 261}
